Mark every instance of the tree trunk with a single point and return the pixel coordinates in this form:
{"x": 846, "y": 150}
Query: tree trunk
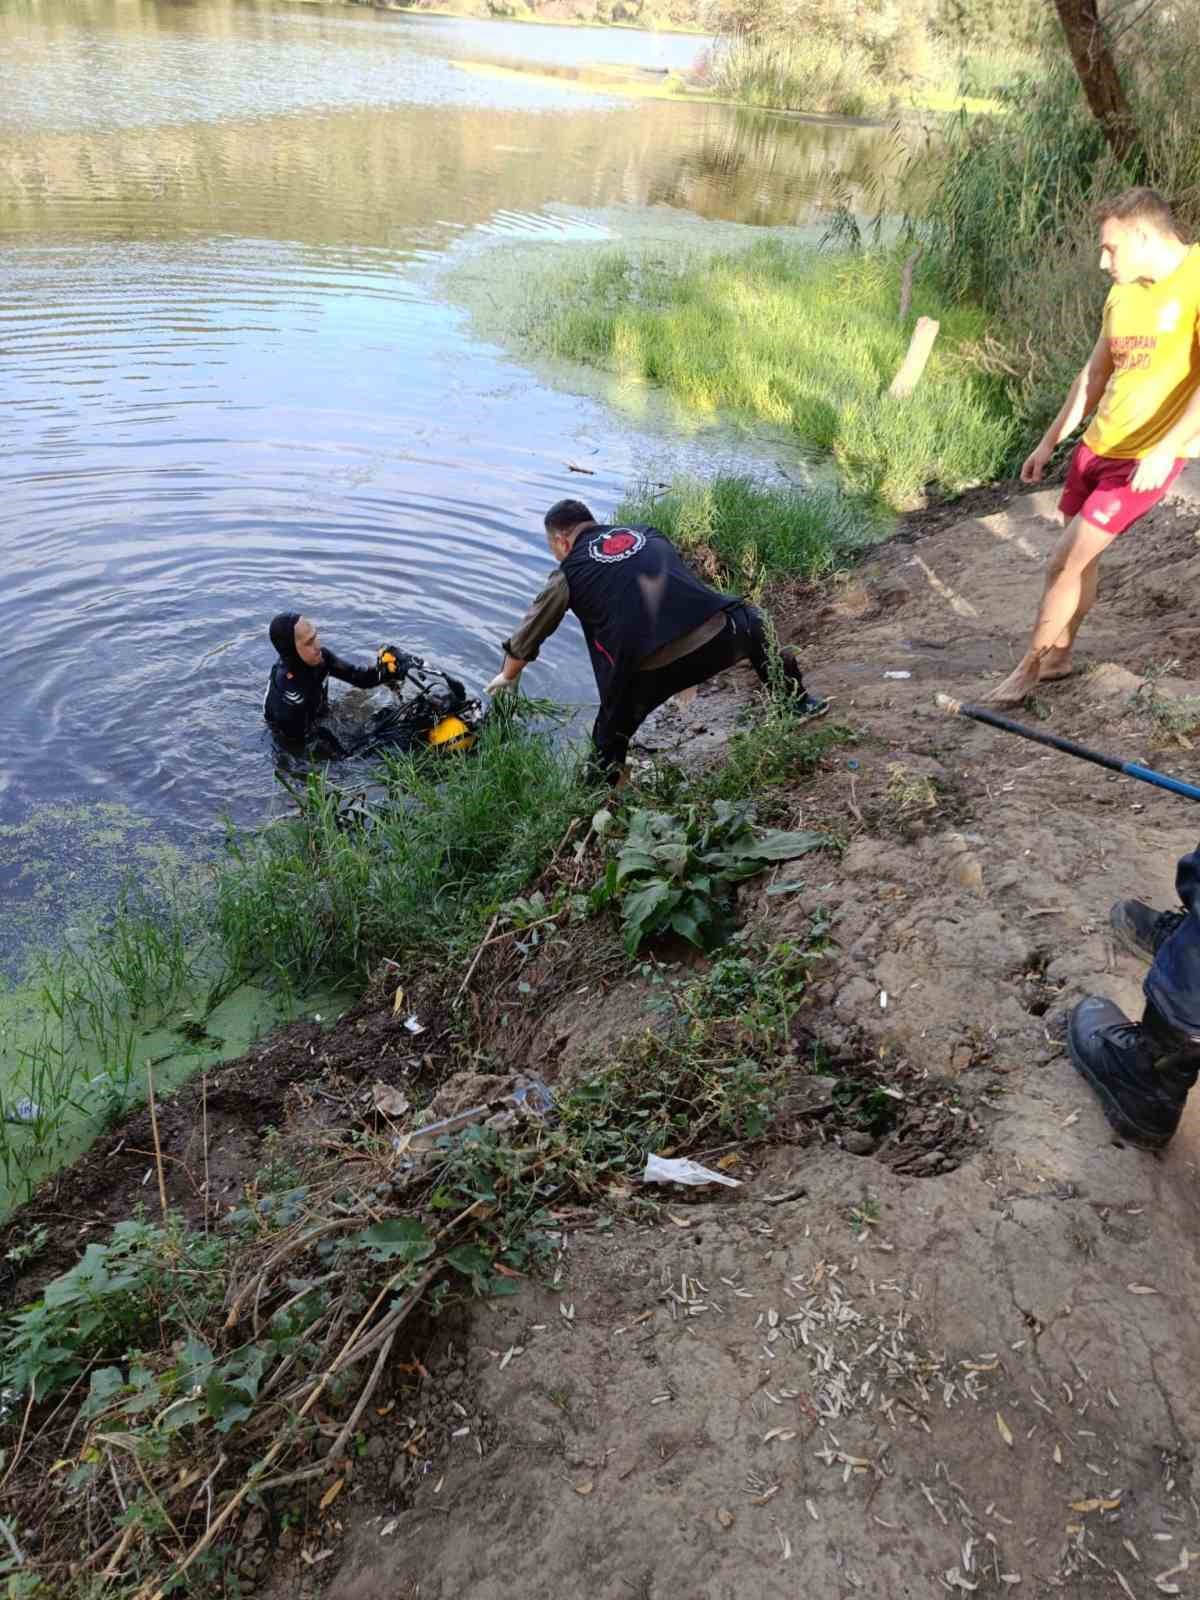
{"x": 1099, "y": 77}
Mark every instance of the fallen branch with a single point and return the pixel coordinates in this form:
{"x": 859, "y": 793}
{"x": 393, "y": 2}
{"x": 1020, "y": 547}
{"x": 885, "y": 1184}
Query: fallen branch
{"x": 255, "y": 1478}
{"x": 483, "y": 944}
{"x": 158, "y": 1157}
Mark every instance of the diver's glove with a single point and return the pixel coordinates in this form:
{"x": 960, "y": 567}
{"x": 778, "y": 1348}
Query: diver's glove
{"x": 500, "y": 685}
{"x": 394, "y": 663}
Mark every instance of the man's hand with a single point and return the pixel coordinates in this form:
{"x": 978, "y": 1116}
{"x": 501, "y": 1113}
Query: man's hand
{"x": 1153, "y": 470}
{"x": 500, "y": 685}
{"x": 393, "y": 663}
{"x": 1036, "y": 463}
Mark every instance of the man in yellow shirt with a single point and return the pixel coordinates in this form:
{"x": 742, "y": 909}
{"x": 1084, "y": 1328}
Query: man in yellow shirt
{"x": 1142, "y": 386}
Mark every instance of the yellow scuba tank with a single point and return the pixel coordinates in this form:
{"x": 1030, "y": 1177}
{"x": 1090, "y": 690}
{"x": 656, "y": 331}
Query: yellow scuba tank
{"x": 451, "y": 733}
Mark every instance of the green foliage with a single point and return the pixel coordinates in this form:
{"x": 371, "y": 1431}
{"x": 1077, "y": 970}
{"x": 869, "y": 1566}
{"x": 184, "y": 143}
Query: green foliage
{"x": 847, "y": 57}
{"x": 773, "y": 748}
{"x": 315, "y": 898}
{"x": 78, "y": 1055}
{"x": 400, "y": 1239}
{"x": 786, "y": 336}
{"x": 748, "y": 533}
{"x": 809, "y": 73}
{"x": 117, "y": 1294}
{"x": 674, "y": 874}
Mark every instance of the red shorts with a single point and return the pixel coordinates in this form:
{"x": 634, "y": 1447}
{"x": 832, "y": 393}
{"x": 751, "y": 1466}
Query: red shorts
{"x": 1097, "y": 488}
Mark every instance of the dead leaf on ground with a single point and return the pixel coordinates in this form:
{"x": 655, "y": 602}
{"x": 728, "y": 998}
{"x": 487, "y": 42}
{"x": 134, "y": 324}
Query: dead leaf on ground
{"x": 391, "y": 1102}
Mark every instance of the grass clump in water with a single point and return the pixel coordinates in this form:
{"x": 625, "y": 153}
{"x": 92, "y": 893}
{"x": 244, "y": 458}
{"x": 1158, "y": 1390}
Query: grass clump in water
{"x": 803, "y": 341}
{"x": 809, "y": 74}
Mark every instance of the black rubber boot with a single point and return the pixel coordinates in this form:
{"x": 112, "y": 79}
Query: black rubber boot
{"x": 1141, "y": 929}
{"x": 803, "y": 705}
{"x": 1141, "y": 1071}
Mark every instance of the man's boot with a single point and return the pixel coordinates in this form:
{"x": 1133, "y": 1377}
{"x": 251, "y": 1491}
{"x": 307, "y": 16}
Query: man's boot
{"x": 1141, "y": 1071}
{"x": 1142, "y": 930}
{"x": 804, "y": 706}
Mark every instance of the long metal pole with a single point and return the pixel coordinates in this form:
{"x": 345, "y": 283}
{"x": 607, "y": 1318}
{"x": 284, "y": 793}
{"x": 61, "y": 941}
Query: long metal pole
{"x": 1130, "y": 769}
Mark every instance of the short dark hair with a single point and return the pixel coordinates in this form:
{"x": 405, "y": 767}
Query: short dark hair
{"x": 564, "y": 515}
{"x": 1139, "y": 205}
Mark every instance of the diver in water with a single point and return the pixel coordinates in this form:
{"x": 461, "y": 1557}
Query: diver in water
{"x": 297, "y": 694}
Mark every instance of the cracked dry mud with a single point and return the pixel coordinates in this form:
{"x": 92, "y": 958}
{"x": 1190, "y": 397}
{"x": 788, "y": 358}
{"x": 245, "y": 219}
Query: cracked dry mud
{"x": 982, "y": 1381}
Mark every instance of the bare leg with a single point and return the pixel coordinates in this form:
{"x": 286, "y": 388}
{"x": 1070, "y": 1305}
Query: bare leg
{"x": 1057, "y": 663}
{"x": 1066, "y": 600}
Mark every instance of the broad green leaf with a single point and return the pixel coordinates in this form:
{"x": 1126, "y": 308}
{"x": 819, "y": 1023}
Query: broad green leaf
{"x": 147, "y": 1393}
{"x": 776, "y": 845}
{"x": 227, "y": 1403}
{"x": 672, "y": 856}
{"x": 398, "y": 1239}
{"x": 473, "y": 1263}
{"x": 641, "y": 906}
{"x": 631, "y": 861}
{"x": 107, "y": 1382}
{"x": 195, "y": 1366}
{"x": 687, "y": 926}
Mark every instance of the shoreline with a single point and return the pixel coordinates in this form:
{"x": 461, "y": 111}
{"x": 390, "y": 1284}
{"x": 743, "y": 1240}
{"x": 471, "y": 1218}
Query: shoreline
{"x": 881, "y": 1122}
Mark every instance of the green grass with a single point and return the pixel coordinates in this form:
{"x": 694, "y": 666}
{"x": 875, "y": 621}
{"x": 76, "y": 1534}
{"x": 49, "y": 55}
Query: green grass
{"x": 810, "y": 74}
{"x": 807, "y": 342}
{"x": 315, "y": 897}
{"x": 743, "y": 533}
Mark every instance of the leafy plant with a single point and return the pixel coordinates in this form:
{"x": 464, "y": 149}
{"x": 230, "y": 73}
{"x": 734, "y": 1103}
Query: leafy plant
{"x": 676, "y": 874}
{"x": 115, "y": 1295}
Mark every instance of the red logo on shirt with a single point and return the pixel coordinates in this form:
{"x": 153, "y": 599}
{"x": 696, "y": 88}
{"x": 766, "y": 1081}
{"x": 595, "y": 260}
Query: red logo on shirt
{"x": 616, "y": 545}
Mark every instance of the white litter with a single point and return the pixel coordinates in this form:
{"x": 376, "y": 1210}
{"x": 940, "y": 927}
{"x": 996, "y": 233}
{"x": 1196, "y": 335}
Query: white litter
{"x": 681, "y": 1170}
{"x": 897, "y": 674}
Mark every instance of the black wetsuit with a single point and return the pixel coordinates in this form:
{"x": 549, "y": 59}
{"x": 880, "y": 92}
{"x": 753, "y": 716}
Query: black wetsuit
{"x": 297, "y": 695}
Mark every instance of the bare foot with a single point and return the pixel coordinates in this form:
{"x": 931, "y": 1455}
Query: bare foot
{"x": 1020, "y": 683}
{"x": 1056, "y": 664}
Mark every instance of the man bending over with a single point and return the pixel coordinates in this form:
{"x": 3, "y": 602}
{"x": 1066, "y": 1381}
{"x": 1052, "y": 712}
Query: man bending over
{"x": 652, "y": 627}
{"x": 1142, "y": 382}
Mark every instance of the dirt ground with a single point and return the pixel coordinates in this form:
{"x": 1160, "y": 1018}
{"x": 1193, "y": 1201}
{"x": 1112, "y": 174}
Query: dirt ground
{"x": 963, "y": 1358}
{"x": 980, "y": 1380}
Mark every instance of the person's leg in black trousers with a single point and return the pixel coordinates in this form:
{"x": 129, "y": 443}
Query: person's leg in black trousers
{"x": 742, "y": 638}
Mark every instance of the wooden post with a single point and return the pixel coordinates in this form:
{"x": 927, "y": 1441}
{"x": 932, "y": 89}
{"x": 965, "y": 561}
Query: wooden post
{"x": 913, "y": 365}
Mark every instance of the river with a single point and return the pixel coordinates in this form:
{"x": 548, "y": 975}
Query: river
{"x": 232, "y": 384}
